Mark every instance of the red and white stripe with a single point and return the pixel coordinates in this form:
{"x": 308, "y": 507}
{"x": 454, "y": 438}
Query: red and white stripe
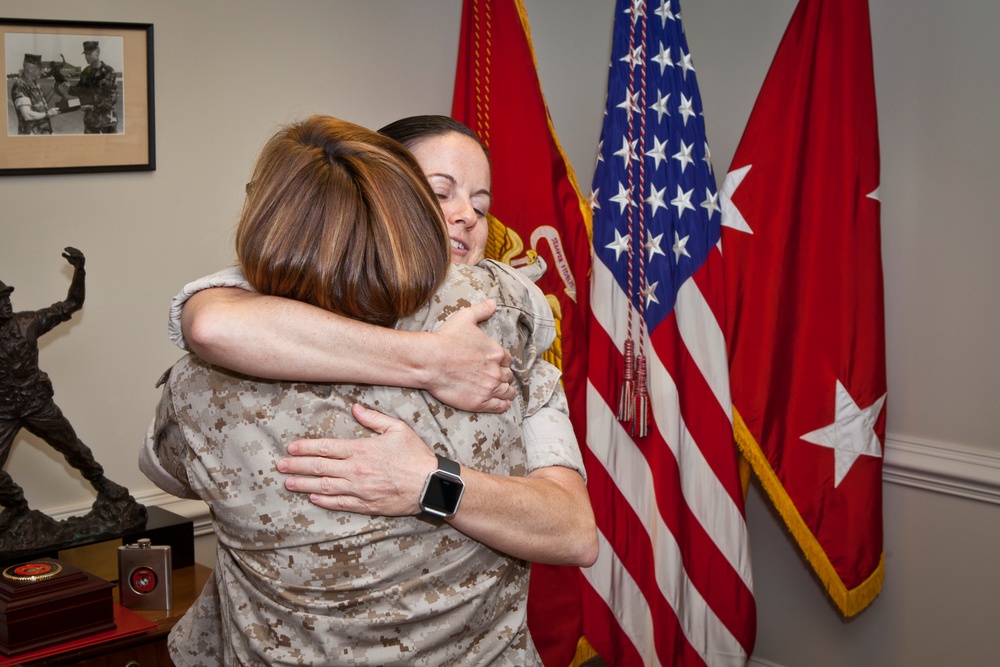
{"x": 674, "y": 569}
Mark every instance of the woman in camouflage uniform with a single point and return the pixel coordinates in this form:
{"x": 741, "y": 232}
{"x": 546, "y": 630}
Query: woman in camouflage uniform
{"x": 338, "y": 217}
{"x": 543, "y": 517}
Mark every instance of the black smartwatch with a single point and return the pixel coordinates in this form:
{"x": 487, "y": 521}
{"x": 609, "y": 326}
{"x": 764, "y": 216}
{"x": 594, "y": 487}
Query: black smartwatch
{"x": 442, "y": 490}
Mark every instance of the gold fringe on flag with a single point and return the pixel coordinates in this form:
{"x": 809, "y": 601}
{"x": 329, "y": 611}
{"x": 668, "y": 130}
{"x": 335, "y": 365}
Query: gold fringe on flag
{"x": 849, "y": 601}
{"x": 584, "y": 652}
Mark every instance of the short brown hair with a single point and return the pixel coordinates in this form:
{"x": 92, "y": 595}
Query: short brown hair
{"x": 342, "y": 218}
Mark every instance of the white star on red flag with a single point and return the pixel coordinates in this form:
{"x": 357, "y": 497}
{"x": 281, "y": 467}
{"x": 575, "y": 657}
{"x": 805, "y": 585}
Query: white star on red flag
{"x": 852, "y": 433}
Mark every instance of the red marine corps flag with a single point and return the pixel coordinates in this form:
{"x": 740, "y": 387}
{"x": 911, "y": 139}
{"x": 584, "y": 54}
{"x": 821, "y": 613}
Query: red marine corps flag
{"x": 538, "y": 222}
{"x": 806, "y": 334}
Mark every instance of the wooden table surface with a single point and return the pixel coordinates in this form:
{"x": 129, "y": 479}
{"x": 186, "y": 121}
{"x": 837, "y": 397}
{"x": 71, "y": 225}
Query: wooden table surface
{"x": 142, "y": 650}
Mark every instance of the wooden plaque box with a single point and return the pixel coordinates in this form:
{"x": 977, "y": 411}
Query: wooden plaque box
{"x": 70, "y": 604}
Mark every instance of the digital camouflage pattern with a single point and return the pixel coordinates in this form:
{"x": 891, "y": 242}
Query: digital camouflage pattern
{"x": 299, "y": 585}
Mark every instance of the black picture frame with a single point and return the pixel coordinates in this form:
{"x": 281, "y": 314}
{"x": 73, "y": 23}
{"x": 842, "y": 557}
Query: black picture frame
{"x": 70, "y": 144}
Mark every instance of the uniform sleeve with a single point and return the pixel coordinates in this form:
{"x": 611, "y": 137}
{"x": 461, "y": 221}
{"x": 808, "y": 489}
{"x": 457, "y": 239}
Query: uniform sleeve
{"x": 164, "y": 451}
{"x": 228, "y": 277}
{"x": 107, "y": 86}
{"x": 537, "y": 306}
{"x": 550, "y": 441}
{"x": 549, "y": 436}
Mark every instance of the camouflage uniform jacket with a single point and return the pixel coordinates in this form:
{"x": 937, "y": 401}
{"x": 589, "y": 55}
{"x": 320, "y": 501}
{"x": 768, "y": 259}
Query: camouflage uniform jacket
{"x": 98, "y": 86}
{"x": 296, "y": 584}
{"x": 548, "y": 433}
{"x": 23, "y": 89}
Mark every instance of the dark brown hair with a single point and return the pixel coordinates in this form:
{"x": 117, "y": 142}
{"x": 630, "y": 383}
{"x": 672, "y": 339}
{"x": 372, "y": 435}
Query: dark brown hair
{"x": 342, "y": 218}
{"x": 411, "y": 130}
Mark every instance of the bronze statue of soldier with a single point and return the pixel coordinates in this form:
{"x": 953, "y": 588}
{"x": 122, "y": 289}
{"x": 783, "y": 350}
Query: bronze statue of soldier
{"x": 26, "y": 401}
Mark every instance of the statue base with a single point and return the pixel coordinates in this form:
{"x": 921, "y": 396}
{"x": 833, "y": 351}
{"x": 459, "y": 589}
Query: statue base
{"x": 45, "y": 602}
{"x": 29, "y": 531}
{"x": 99, "y": 554}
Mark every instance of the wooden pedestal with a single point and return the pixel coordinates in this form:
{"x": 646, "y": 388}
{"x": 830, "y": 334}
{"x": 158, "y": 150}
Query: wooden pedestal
{"x": 37, "y": 613}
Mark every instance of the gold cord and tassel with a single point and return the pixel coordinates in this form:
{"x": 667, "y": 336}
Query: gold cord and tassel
{"x": 640, "y": 422}
{"x": 626, "y": 399}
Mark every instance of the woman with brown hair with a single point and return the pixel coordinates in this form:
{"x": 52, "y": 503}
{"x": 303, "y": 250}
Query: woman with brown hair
{"x": 337, "y": 216}
{"x": 543, "y": 516}
{"x": 340, "y": 217}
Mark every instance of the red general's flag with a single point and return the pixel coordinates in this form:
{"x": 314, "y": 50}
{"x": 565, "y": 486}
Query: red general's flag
{"x": 537, "y": 213}
{"x": 806, "y": 329}
{"x": 672, "y": 584}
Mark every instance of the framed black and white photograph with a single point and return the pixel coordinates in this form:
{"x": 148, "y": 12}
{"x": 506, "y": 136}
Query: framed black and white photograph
{"x": 79, "y": 97}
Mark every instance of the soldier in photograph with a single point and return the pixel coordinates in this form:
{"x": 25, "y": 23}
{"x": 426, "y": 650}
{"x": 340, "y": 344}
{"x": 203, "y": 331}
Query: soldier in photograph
{"x": 33, "y": 111}
{"x": 98, "y": 92}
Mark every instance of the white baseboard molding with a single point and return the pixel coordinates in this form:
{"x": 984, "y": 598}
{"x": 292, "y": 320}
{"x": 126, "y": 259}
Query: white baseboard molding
{"x": 943, "y": 468}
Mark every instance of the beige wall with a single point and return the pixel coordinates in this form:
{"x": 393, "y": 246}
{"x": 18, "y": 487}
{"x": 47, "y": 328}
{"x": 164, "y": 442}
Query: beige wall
{"x": 228, "y": 71}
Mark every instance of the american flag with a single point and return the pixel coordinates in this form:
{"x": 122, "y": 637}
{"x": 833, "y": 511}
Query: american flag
{"x": 673, "y": 584}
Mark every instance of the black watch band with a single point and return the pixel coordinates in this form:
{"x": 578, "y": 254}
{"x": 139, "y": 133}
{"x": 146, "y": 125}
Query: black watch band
{"x": 449, "y": 466}
{"x": 443, "y": 490}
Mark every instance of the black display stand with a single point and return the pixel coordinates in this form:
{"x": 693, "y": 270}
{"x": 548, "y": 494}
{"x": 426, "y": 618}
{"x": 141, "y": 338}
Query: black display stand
{"x": 161, "y": 527}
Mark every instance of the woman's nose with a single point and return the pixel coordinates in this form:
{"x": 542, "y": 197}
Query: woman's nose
{"x": 463, "y": 213}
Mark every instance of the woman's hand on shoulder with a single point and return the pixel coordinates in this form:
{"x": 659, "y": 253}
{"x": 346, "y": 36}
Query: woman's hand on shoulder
{"x": 467, "y": 369}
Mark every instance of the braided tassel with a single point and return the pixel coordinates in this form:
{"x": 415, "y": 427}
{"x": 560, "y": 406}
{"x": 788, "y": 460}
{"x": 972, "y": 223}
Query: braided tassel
{"x": 627, "y": 397}
{"x": 640, "y": 425}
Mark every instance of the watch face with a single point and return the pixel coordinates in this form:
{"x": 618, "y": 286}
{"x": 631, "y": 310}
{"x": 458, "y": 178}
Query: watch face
{"x": 442, "y": 494}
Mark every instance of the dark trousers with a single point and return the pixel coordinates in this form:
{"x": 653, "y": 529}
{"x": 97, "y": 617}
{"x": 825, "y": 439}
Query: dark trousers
{"x": 48, "y": 423}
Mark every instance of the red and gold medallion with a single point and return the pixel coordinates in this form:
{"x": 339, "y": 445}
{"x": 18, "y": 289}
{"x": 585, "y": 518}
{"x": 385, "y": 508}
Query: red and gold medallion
{"x": 32, "y": 571}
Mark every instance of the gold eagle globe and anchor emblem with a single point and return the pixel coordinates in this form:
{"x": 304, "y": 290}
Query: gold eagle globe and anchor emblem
{"x": 505, "y": 245}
